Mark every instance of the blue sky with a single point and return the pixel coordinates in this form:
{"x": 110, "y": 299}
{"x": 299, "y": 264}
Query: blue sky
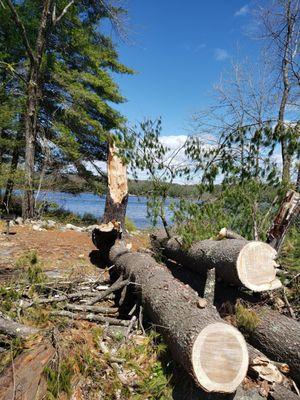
{"x": 179, "y": 50}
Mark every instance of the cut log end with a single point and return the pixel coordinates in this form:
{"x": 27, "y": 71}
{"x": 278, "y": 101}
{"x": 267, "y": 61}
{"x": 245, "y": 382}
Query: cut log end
{"x": 256, "y": 267}
{"x": 220, "y": 358}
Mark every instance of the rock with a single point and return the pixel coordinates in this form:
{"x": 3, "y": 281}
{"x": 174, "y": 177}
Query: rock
{"x": 51, "y": 223}
{"x": 19, "y": 220}
{"x": 11, "y": 223}
{"x": 38, "y": 228}
{"x": 74, "y": 228}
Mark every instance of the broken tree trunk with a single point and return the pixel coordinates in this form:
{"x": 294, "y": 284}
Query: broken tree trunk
{"x": 117, "y": 190}
{"x": 238, "y": 262}
{"x": 211, "y": 351}
{"x": 289, "y": 210}
{"x": 24, "y": 379}
{"x": 278, "y": 337}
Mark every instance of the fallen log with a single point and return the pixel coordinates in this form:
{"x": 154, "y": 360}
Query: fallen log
{"x": 279, "y": 392}
{"x": 278, "y": 337}
{"x": 238, "y": 261}
{"x": 289, "y": 210}
{"x": 212, "y": 352}
{"x": 14, "y": 329}
{"x": 23, "y": 379}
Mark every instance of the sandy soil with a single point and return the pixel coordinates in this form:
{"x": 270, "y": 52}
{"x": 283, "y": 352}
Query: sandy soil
{"x": 62, "y": 253}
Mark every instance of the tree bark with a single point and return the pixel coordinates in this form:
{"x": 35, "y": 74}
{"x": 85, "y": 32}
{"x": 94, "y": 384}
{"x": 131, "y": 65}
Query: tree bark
{"x": 13, "y": 168}
{"x": 117, "y": 189}
{"x": 212, "y": 352}
{"x": 278, "y": 337}
{"x": 23, "y": 379}
{"x": 280, "y": 127}
{"x": 288, "y": 212}
{"x": 279, "y": 392}
{"x": 238, "y": 262}
{"x": 15, "y": 329}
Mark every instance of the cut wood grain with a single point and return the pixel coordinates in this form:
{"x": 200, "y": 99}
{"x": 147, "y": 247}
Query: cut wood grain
{"x": 250, "y": 264}
{"x": 212, "y": 352}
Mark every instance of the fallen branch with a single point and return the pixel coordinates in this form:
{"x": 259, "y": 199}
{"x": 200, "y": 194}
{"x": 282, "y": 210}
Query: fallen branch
{"x": 115, "y": 287}
{"x": 94, "y": 309}
{"x": 65, "y": 297}
{"x": 91, "y": 317}
{"x": 14, "y": 329}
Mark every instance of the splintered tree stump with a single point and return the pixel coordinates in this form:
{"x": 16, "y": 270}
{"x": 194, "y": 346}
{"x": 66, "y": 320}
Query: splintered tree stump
{"x": 214, "y": 353}
{"x": 278, "y": 337}
{"x": 289, "y": 210}
{"x": 105, "y": 235}
{"x": 23, "y": 379}
{"x": 117, "y": 190}
{"x": 238, "y": 262}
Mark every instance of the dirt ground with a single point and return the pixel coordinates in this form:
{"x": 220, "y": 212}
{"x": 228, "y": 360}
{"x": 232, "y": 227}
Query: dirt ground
{"x": 62, "y": 253}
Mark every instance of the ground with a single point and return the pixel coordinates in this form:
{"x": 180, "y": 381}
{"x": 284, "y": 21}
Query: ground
{"x": 62, "y": 253}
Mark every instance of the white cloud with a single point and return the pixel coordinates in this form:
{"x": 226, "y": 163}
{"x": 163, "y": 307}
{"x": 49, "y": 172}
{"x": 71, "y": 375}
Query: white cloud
{"x": 221, "y": 54}
{"x": 242, "y": 11}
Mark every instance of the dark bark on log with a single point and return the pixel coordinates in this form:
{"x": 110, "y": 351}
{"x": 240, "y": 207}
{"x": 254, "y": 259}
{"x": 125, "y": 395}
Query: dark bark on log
{"x": 15, "y": 329}
{"x": 279, "y": 392}
{"x": 91, "y": 317}
{"x": 173, "y": 308}
{"x": 236, "y": 261}
{"x": 289, "y": 210}
{"x": 117, "y": 190}
{"x": 24, "y": 378}
{"x": 278, "y": 337}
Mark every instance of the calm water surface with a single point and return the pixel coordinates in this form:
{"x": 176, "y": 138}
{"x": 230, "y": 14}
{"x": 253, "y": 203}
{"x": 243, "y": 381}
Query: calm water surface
{"x": 94, "y": 204}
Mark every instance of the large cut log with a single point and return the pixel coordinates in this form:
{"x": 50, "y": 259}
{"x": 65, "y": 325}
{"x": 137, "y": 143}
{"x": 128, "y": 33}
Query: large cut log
{"x": 289, "y": 210}
{"x": 212, "y": 352}
{"x": 23, "y": 379}
{"x": 278, "y": 337}
{"x": 238, "y": 261}
{"x": 117, "y": 189}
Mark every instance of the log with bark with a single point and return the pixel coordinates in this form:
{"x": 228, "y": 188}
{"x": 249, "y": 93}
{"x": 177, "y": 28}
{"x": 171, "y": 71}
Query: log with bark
{"x": 278, "y": 337}
{"x": 288, "y": 212}
{"x": 239, "y": 262}
{"x": 211, "y": 351}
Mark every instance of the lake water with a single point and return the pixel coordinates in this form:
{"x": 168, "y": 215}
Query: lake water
{"x": 94, "y": 204}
